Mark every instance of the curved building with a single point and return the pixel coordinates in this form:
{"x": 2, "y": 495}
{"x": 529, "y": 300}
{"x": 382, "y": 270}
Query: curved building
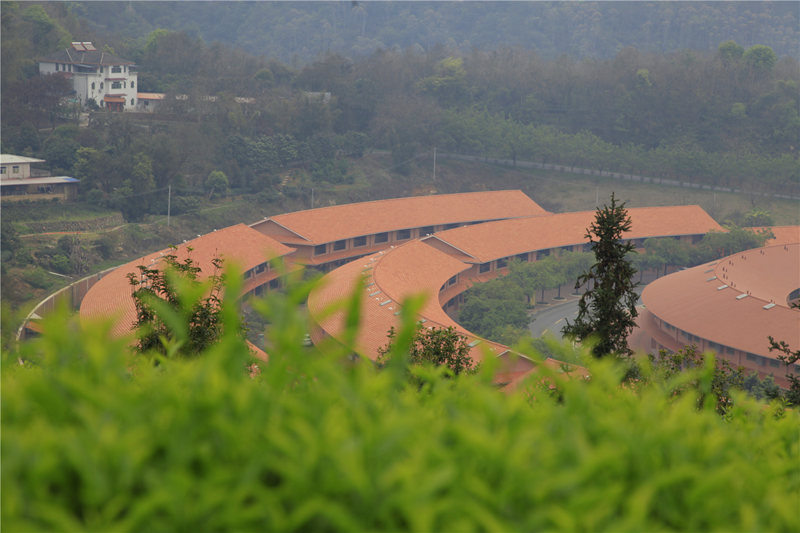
{"x": 390, "y": 250}
{"x": 730, "y": 306}
{"x": 443, "y": 265}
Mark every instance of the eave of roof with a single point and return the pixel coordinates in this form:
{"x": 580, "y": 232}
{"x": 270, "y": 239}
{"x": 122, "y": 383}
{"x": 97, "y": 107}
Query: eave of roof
{"x": 50, "y": 180}
{"x": 11, "y": 159}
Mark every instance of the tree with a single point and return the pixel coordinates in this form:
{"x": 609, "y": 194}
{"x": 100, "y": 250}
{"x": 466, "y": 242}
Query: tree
{"x": 724, "y": 380}
{"x": 176, "y": 289}
{"x": 437, "y": 346}
{"x": 489, "y": 307}
{"x": 607, "y": 312}
{"x": 789, "y": 358}
{"x": 216, "y": 184}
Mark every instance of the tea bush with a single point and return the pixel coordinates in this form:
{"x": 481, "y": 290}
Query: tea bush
{"x": 96, "y": 439}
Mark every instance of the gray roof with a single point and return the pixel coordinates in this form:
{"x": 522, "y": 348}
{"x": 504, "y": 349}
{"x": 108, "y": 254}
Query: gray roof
{"x": 8, "y": 159}
{"x": 91, "y": 57}
{"x": 50, "y": 180}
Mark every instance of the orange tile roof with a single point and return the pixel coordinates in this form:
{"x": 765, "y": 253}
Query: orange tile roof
{"x": 329, "y": 224}
{"x": 693, "y": 301}
{"x": 505, "y": 238}
{"x": 111, "y": 297}
{"x": 389, "y": 281}
{"x": 783, "y": 234}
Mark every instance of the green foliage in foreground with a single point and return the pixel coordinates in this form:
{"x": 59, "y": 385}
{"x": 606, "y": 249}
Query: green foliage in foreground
{"x": 95, "y": 438}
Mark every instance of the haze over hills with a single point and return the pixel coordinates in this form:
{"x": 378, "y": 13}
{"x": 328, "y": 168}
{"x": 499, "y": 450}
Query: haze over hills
{"x": 298, "y": 32}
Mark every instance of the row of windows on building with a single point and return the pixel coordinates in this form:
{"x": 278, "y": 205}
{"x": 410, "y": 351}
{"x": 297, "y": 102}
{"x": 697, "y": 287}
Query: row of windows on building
{"x": 379, "y": 238}
{"x": 256, "y": 270}
{"x": 722, "y": 349}
{"x": 115, "y": 85}
{"x": 67, "y": 67}
{"x": 14, "y": 169}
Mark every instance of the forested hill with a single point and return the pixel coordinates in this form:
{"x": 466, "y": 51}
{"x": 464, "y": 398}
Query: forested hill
{"x": 302, "y": 31}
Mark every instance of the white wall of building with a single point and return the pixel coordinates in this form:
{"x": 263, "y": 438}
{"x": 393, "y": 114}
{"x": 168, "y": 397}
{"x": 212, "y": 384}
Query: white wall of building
{"x": 100, "y": 83}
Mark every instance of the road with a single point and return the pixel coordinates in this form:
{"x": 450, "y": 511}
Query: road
{"x": 552, "y": 317}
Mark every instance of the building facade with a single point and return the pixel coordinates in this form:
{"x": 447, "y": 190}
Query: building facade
{"x": 18, "y": 181}
{"x": 110, "y": 81}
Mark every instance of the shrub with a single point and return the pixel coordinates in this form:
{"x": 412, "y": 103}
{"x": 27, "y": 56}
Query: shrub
{"x": 97, "y": 439}
{"x": 38, "y": 278}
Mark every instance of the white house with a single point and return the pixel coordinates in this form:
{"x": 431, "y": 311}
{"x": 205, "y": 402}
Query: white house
{"x": 110, "y": 81}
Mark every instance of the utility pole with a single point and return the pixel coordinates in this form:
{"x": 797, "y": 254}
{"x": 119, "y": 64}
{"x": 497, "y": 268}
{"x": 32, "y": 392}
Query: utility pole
{"x": 434, "y": 163}
{"x": 169, "y": 201}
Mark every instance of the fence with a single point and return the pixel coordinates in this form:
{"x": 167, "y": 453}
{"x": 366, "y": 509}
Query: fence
{"x": 72, "y": 295}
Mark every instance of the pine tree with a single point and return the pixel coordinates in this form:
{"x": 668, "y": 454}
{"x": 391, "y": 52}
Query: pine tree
{"x": 607, "y": 312}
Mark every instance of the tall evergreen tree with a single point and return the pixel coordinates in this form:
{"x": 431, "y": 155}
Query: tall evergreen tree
{"x": 607, "y": 312}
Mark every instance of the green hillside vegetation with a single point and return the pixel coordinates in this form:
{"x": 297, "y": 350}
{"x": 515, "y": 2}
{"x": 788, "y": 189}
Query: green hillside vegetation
{"x": 95, "y": 438}
{"x": 299, "y": 32}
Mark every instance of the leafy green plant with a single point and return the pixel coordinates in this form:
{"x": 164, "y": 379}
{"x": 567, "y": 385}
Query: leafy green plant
{"x": 443, "y": 347}
{"x": 97, "y": 438}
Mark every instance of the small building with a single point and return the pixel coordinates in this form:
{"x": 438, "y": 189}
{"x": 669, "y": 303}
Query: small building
{"x": 100, "y": 76}
{"x": 149, "y": 102}
{"x": 18, "y": 181}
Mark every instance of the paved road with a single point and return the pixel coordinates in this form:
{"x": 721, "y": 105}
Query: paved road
{"x": 552, "y": 317}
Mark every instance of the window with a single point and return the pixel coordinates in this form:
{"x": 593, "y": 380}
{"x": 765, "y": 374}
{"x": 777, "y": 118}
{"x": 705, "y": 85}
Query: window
{"x": 116, "y": 85}
{"x": 340, "y": 245}
{"x": 15, "y": 169}
{"x": 133, "y": 85}
{"x": 101, "y": 70}
{"x": 485, "y": 267}
{"x": 774, "y": 362}
{"x": 2, "y": 170}
{"x": 261, "y": 268}
{"x": 502, "y": 263}
{"x": 523, "y": 257}
{"x": 587, "y": 247}
{"x": 56, "y": 67}
{"x": 101, "y": 85}
{"x": 541, "y": 254}
{"x": 381, "y": 237}
{"x": 320, "y": 249}
{"x": 93, "y": 86}
{"x": 427, "y": 230}
{"x": 132, "y": 101}
{"x": 452, "y": 281}
{"x": 116, "y": 69}
{"x": 359, "y": 241}
{"x": 403, "y": 234}
{"x": 451, "y": 226}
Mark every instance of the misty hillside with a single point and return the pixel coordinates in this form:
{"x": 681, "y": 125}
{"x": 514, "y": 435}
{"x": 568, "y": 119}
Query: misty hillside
{"x": 301, "y": 31}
